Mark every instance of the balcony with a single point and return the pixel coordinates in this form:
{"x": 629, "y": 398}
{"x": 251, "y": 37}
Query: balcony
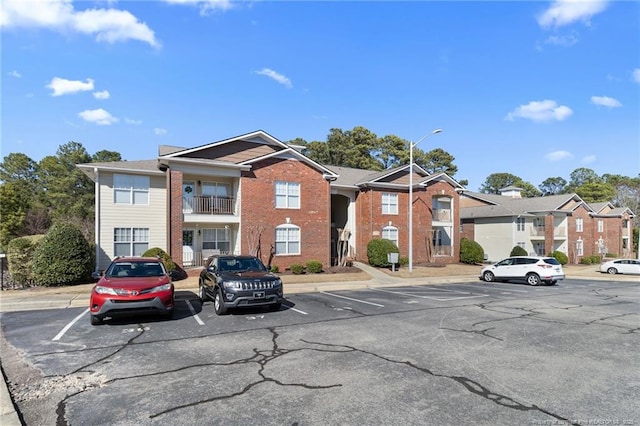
{"x": 211, "y": 205}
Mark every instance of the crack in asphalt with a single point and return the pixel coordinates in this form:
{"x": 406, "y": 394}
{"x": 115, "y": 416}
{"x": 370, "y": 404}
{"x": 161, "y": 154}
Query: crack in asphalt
{"x": 262, "y": 358}
{"x": 470, "y": 384}
{"x": 62, "y": 405}
{"x": 482, "y": 332}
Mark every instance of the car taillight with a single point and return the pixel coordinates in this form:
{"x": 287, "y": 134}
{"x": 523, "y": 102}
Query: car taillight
{"x": 545, "y": 266}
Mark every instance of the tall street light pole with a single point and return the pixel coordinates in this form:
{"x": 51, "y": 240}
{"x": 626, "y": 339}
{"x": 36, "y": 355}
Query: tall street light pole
{"x": 411, "y": 146}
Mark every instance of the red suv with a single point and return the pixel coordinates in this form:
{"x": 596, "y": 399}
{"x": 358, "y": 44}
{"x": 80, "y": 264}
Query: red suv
{"x": 132, "y": 285}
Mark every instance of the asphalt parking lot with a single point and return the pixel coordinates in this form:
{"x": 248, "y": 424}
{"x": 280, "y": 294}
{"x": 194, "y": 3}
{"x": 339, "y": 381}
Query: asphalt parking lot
{"x": 485, "y": 353}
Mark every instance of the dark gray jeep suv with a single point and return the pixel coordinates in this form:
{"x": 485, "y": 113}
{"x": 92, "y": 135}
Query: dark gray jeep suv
{"x": 239, "y": 281}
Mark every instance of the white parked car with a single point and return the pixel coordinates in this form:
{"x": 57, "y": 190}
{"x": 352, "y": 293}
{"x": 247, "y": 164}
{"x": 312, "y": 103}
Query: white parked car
{"x": 621, "y": 266}
{"x": 531, "y": 269}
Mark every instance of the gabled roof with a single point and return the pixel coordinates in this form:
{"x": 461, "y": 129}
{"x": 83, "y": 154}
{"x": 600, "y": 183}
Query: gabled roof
{"x": 245, "y": 150}
{"x": 500, "y": 205}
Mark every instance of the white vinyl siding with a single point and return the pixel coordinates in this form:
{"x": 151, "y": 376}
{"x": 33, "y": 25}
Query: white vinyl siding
{"x": 287, "y": 239}
{"x": 287, "y": 195}
{"x": 130, "y": 189}
{"x": 389, "y": 203}
{"x": 151, "y": 216}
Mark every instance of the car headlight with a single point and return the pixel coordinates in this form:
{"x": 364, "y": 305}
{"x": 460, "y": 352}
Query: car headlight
{"x": 105, "y": 290}
{"x": 233, "y": 284}
{"x": 164, "y": 287}
{"x": 277, "y": 282}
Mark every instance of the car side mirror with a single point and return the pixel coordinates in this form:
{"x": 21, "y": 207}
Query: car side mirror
{"x": 96, "y": 275}
{"x": 174, "y": 275}
{"x": 212, "y": 269}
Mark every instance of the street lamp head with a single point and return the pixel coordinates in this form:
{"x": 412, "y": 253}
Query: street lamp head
{"x": 436, "y": 131}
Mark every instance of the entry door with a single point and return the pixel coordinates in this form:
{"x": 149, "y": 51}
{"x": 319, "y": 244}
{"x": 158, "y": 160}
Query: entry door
{"x": 187, "y": 247}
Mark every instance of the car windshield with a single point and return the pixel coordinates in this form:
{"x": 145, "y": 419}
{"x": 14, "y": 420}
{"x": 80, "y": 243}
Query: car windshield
{"x": 136, "y": 269}
{"x": 241, "y": 265}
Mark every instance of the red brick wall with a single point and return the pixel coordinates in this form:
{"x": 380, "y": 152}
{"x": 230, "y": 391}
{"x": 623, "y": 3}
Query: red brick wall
{"x": 586, "y": 235}
{"x": 174, "y": 231}
{"x": 371, "y": 221}
{"x": 313, "y": 217}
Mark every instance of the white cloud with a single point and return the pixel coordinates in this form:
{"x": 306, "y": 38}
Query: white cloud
{"x": 558, "y": 155}
{"x": 98, "y": 116}
{"x": 108, "y": 25}
{"x": 566, "y": 12}
{"x": 102, "y": 95}
{"x": 61, "y": 86}
{"x": 132, "y": 121}
{"x": 635, "y": 75}
{"x": 205, "y": 6}
{"x": 605, "y": 101}
{"x": 541, "y": 111}
{"x": 589, "y": 159}
{"x": 14, "y": 73}
{"x": 276, "y": 76}
{"x": 160, "y": 131}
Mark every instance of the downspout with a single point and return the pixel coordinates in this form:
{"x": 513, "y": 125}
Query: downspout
{"x": 97, "y": 218}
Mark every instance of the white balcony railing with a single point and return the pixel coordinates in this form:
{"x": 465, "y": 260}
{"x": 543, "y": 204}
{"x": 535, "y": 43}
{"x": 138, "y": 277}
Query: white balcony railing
{"x": 200, "y": 204}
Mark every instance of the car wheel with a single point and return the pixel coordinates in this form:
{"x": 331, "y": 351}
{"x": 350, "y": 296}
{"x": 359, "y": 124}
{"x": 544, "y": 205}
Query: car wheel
{"x": 533, "y": 279}
{"x": 96, "y": 320}
{"x": 202, "y": 294}
{"x": 488, "y": 276}
{"x": 218, "y": 304}
{"x": 275, "y": 307}
{"x": 612, "y": 271}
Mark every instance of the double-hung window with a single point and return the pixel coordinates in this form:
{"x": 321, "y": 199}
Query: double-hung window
{"x": 390, "y": 233}
{"x": 579, "y": 248}
{"x": 389, "y": 203}
{"x": 287, "y": 195}
{"x": 520, "y": 224}
{"x": 287, "y": 239}
{"x": 131, "y": 189}
{"x": 130, "y": 241}
{"x": 600, "y": 225}
{"x": 216, "y": 238}
{"x": 579, "y": 224}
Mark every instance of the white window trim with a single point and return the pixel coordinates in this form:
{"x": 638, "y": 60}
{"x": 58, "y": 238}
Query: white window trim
{"x": 391, "y": 228}
{"x": 132, "y": 239}
{"x": 287, "y": 195}
{"x": 392, "y": 203}
{"x": 299, "y": 241}
{"x": 579, "y": 224}
{"x": 131, "y": 188}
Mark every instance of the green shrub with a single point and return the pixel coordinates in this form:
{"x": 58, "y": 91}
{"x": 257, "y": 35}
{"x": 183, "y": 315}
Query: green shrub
{"x": 586, "y": 260}
{"x": 518, "y": 251}
{"x": 560, "y": 257}
{"x": 595, "y": 259}
{"x": 403, "y": 260}
{"x": 377, "y": 251}
{"x": 470, "y": 251}
{"x": 20, "y": 258}
{"x": 612, "y": 255}
{"x": 169, "y": 264}
{"x": 314, "y": 267}
{"x": 62, "y": 257}
{"x": 275, "y": 269}
{"x": 297, "y": 268}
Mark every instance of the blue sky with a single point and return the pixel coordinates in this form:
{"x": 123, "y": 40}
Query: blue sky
{"x": 536, "y": 89}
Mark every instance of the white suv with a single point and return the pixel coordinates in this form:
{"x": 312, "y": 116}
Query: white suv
{"x": 531, "y": 269}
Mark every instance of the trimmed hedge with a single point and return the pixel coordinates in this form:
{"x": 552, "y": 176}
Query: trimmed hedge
{"x": 470, "y": 251}
{"x": 314, "y": 267}
{"x": 297, "y": 268}
{"x": 166, "y": 259}
{"x": 63, "y": 257}
{"x": 518, "y": 251}
{"x": 560, "y": 257}
{"x": 377, "y": 251}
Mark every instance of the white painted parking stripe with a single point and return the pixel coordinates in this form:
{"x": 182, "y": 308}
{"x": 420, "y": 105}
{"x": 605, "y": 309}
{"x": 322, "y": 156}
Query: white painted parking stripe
{"x": 68, "y": 326}
{"x": 193, "y": 312}
{"x": 299, "y": 311}
{"x": 355, "y": 300}
{"x": 439, "y": 299}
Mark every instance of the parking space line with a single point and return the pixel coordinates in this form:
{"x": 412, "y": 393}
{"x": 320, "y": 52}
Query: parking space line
{"x": 193, "y": 313}
{"x": 298, "y": 311}
{"x": 439, "y": 299}
{"x": 355, "y": 300}
{"x": 68, "y": 326}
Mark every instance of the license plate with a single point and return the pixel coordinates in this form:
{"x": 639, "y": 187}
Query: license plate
{"x": 258, "y": 294}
